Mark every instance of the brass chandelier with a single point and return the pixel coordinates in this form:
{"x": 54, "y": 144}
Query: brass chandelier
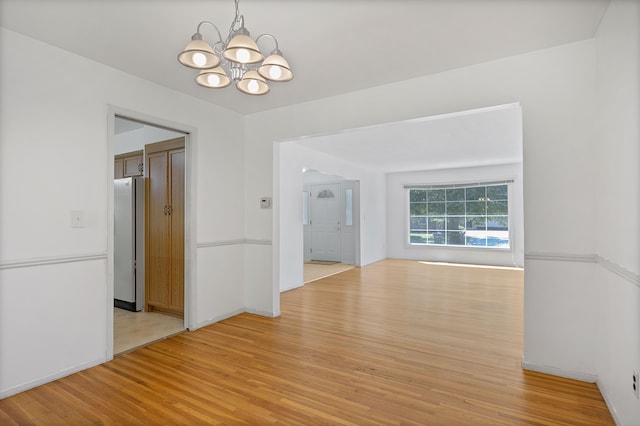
{"x": 237, "y": 58}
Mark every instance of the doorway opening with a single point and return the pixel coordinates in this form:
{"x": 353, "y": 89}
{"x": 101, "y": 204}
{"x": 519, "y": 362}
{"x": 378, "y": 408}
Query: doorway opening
{"x": 149, "y": 164}
{"x": 462, "y": 148}
{"x": 329, "y": 224}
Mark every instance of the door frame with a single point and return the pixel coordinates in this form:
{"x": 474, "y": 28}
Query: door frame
{"x": 190, "y": 136}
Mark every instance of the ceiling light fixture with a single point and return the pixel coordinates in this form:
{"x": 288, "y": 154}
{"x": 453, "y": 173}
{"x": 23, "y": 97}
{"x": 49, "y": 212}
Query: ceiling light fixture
{"x": 237, "y": 58}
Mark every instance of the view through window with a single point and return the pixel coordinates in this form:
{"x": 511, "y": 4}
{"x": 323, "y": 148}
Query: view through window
{"x": 457, "y": 215}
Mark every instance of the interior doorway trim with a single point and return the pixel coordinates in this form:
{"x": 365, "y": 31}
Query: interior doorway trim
{"x": 190, "y": 214}
{"x": 288, "y": 232}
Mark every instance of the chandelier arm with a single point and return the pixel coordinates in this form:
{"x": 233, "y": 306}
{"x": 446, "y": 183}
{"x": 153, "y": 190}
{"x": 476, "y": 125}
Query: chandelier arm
{"x": 214, "y": 26}
{"x": 235, "y": 19}
{"x": 237, "y": 26}
{"x": 218, "y": 48}
{"x": 274, "y": 39}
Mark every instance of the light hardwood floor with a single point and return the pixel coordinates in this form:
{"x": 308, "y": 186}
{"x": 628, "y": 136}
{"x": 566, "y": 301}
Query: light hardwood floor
{"x": 395, "y": 342}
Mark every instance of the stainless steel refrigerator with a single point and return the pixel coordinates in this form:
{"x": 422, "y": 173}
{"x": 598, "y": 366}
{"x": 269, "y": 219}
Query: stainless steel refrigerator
{"x": 128, "y": 277}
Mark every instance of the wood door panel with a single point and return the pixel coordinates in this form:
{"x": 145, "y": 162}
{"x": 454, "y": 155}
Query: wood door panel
{"x": 158, "y": 242}
{"x": 118, "y": 168}
{"x": 165, "y": 170}
{"x": 132, "y": 165}
{"x": 128, "y": 164}
{"x": 176, "y": 173}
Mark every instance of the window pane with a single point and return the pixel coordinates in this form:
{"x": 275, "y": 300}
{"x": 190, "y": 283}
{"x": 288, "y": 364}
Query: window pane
{"x": 436, "y": 195}
{"x": 497, "y": 238}
{"x": 418, "y": 237}
{"x": 436, "y": 222}
{"x": 456, "y": 207}
{"x": 498, "y": 241}
{"x": 418, "y": 209}
{"x": 436, "y": 208}
{"x": 476, "y": 240}
{"x": 417, "y": 195}
{"x": 455, "y": 238}
{"x": 437, "y": 237}
{"x": 499, "y": 223}
{"x": 477, "y": 223}
{"x": 497, "y": 207}
{"x": 497, "y": 192}
{"x": 477, "y": 193}
{"x": 477, "y": 207}
{"x": 348, "y": 207}
{"x": 418, "y": 223}
{"x": 455, "y": 194}
{"x": 455, "y": 223}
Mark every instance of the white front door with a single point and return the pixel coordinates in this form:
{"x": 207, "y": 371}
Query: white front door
{"x": 325, "y": 223}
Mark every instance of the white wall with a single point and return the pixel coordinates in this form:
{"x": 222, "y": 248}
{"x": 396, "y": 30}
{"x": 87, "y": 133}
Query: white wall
{"x": 397, "y": 216}
{"x": 556, "y": 88}
{"x": 130, "y": 141}
{"x": 618, "y": 208}
{"x": 55, "y": 287}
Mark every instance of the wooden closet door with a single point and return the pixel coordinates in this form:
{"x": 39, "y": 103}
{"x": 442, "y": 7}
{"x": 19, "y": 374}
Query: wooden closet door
{"x": 165, "y": 226}
{"x": 158, "y": 238}
{"x": 176, "y": 197}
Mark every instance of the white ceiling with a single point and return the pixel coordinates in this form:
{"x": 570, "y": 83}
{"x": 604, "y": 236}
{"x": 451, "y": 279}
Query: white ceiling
{"x": 333, "y": 46}
{"x": 485, "y": 136}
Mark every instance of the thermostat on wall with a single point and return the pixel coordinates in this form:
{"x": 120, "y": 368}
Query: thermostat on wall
{"x": 265, "y": 202}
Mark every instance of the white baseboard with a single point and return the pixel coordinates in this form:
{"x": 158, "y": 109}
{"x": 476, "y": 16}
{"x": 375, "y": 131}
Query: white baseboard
{"x": 555, "y": 371}
{"x": 50, "y": 378}
{"x": 607, "y": 400}
{"x": 233, "y": 314}
{"x": 263, "y": 313}
{"x": 217, "y": 319}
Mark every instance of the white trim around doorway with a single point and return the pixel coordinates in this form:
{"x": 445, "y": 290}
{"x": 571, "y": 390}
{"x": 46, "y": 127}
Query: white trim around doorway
{"x": 190, "y": 214}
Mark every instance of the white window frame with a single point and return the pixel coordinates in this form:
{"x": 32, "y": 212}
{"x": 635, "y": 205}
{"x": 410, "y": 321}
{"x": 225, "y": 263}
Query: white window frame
{"x": 510, "y": 225}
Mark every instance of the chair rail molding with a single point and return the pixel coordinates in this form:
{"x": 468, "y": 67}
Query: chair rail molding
{"x": 611, "y": 266}
{"x": 238, "y": 241}
{"x": 52, "y": 260}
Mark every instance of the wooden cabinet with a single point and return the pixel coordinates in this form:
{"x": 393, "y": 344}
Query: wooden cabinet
{"x": 164, "y": 224}
{"x": 129, "y": 164}
{"x": 118, "y": 172}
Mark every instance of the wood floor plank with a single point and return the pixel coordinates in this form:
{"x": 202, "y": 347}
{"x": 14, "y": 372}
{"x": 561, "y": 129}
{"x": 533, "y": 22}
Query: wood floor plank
{"x": 396, "y": 342}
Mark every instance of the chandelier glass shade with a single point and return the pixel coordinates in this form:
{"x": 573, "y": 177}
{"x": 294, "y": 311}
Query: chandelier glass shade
{"x": 253, "y": 83}
{"x": 214, "y": 78}
{"x": 242, "y": 49}
{"x": 237, "y": 58}
{"x": 198, "y": 54}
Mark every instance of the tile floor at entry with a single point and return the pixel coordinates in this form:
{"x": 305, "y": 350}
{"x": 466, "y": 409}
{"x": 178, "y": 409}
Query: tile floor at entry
{"x": 134, "y": 329}
{"x": 314, "y": 272}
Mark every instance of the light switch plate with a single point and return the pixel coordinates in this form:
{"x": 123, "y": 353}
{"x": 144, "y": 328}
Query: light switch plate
{"x": 78, "y": 219}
